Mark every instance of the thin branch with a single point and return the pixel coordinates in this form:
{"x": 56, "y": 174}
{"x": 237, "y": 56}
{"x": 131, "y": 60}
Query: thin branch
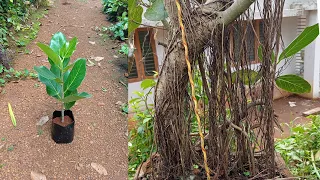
{"x": 234, "y": 11}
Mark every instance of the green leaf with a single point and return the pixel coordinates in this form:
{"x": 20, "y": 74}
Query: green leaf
{"x": 69, "y": 48}
{"x": 53, "y": 88}
{"x": 293, "y": 83}
{"x": 260, "y": 54}
{"x": 69, "y": 104}
{"x": 75, "y": 97}
{"x": 246, "y": 76}
{"x": 57, "y": 42}
{"x": 76, "y": 76}
{"x": 68, "y": 67}
{"x": 304, "y": 39}
{"x": 50, "y": 53}
{"x": 134, "y": 15}
{"x": 147, "y": 83}
{"x": 45, "y": 72}
{"x": 156, "y": 12}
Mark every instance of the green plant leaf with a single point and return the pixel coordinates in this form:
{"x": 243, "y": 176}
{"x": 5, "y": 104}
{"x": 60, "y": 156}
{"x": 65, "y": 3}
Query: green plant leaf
{"x": 147, "y": 83}
{"x": 68, "y": 67}
{"x": 50, "y": 53}
{"x": 135, "y": 15}
{"x": 246, "y": 76}
{"x": 70, "y": 104}
{"x": 53, "y": 88}
{"x": 68, "y": 48}
{"x": 156, "y": 12}
{"x": 75, "y": 97}
{"x": 76, "y": 76}
{"x": 45, "y": 72}
{"x": 57, "y": 42}
{"x": 260, "y": 54}
{"x": 304, "y": 39}
{"x": 293, "y": 83}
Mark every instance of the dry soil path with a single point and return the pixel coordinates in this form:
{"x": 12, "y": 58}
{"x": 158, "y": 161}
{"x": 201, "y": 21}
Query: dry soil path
{"x": 101, "y": 128}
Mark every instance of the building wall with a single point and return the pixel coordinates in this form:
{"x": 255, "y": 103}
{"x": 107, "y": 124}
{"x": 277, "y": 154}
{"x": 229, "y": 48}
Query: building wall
{"x": 289, "y": 32}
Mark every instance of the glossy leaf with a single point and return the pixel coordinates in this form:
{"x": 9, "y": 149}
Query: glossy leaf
{"x": 45, "y": 72}
{"x": 293, "y": 83}
{"x": 53, "y": 88}
{"x": 69, "y": 48}
{"x": 156, "y": 12}
{"x": 75, "y": 97}
{"x": 304, "y": 39}
{"x": 69, "y": 104}
{"x": 57, "y": 42}
{"x": 134, "y": 15}
{"x": 50, "y": 53}
{"x": 147, "y": 83}
{"x": 76, "y": 76}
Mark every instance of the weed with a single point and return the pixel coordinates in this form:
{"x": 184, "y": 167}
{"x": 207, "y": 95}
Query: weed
{"x": 10, "y": 148}
{"x": 40, "y": 132}
{"x": 104, "y": 89}
{"x": 36, "y": 85}
{"x": 2, "y": 165}
{"x": 3, "y": 139}
{"x": 300, "y": 151}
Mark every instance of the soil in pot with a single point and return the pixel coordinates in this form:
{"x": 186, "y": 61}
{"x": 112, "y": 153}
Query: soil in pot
{"x": 67, "y": 121}
{"x": 63, "y": 132}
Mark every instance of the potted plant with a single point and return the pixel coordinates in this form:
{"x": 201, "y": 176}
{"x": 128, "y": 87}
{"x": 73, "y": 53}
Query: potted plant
{"x": 62, "y": 81}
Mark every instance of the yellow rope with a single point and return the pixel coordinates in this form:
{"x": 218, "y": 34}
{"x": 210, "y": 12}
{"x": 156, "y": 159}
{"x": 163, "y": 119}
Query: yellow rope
{"x": 186, "y": 52}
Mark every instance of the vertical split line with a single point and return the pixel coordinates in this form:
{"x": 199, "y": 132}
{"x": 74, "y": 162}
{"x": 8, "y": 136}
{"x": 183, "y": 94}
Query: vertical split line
{"x": 196, "y": 110}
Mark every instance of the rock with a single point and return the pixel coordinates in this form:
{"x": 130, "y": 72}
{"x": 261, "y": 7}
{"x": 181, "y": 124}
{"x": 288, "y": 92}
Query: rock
{"x": 115, "y": 56}
{"x": 37, "y": 176}
{"x": 38, "y": 55}
{"x": 43, "y": 120}
{"x": 92, "y": 42}
{"x": 99, "y": 168}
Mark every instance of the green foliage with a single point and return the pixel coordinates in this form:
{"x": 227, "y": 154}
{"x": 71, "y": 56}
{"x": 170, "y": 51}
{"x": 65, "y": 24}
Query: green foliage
{"x": 114, "y": 9}
{"x": 124, "y": 49}
{"x": 156, "y": 11}
{"x": 117, "y": 11}
{"x": 302, "y": 148}
{"x": 61, "y": 82}
{"x": 120, "y": 29}
{"x": 14, "y": 15}
{"x": 7, "y": 75}
{"x": 304, "y": 39}
{"x": 293, "y": 83}
{"x": 141, "y": 138}
{"x": 135, "y": 15}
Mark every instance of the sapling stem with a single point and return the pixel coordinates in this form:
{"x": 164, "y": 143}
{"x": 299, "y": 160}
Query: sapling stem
{"x": 62, "y": 95}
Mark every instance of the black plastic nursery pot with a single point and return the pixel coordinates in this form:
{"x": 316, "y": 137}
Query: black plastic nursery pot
{"x": 62, "y": 132}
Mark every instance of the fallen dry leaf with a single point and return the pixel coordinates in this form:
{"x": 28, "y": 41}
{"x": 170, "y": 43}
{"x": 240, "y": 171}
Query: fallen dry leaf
{"x": 90, "y": 63}
{"x": 99, "y": 168}
{"x": 98, "y": 58}
{"x": 37, "y": 176}
{"x": 43, "y": 120}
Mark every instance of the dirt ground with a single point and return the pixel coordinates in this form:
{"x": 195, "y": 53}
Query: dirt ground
{"x": 292, "y": 115}
{"x": 100, "y": 127}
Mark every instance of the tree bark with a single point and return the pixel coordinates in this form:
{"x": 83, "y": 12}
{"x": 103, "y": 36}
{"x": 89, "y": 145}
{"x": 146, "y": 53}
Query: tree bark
{"x": 171, "y": 99}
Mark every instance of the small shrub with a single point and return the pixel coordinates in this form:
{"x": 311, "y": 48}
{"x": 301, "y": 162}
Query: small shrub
{"x": 301, "y": 151}
{"x": 141, "y": 138}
